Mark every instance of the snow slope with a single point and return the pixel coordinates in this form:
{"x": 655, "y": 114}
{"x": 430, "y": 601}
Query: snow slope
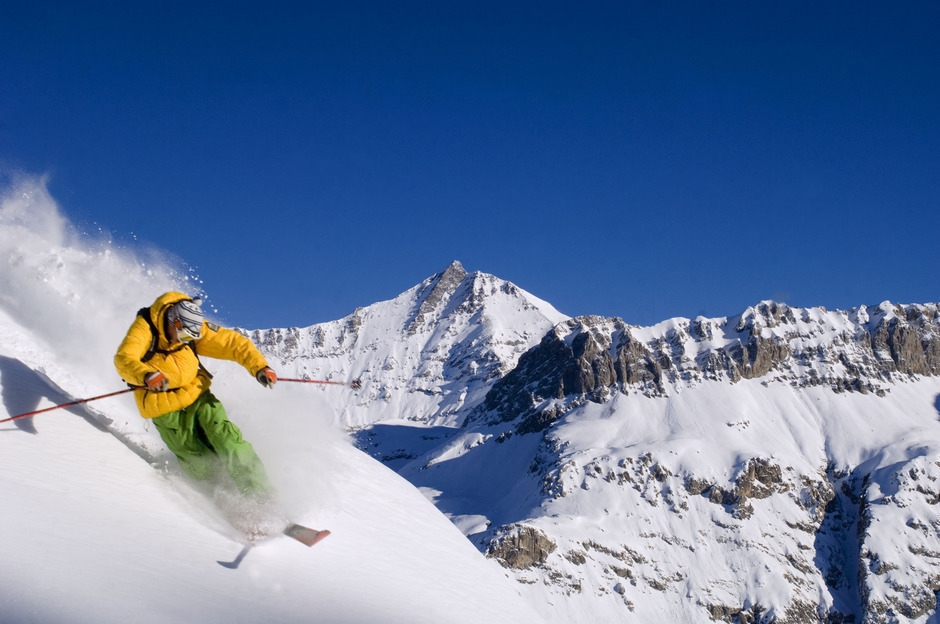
{"x": 98, "y": 526}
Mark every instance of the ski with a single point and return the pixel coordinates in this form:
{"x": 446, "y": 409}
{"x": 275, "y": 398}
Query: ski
{"x": 305, "y": 535}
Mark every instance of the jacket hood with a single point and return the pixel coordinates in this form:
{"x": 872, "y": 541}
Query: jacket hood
{"x": 159, "y": 308}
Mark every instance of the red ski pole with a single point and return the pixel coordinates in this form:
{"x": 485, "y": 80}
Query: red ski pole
{"x": 80, "y": 401}
{"x": 355, "y": 384}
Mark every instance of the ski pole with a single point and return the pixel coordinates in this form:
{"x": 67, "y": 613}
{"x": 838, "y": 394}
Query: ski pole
{"x": 103, "y": 396}
{"x": 355, "y": 384}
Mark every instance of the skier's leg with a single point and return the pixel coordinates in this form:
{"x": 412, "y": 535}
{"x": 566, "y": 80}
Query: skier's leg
{"x": 178, "y": 431}
{"x": 237, "y": 455}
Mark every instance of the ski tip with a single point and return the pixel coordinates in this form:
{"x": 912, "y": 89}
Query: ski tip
{"x": 305, "y": 535}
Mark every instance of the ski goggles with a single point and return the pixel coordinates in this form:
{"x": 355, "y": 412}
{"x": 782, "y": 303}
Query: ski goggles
{"x": 187, "y": 317}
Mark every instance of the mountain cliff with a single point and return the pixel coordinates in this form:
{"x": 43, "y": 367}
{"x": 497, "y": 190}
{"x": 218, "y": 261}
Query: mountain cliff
{"x": 864, "y": 350}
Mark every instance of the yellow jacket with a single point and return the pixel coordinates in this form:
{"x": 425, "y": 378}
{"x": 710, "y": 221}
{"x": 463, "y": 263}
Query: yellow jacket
{"x": 178, "y": 362}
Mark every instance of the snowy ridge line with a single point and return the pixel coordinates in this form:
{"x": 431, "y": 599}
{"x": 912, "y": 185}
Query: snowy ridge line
{"x": 864, "y": 350}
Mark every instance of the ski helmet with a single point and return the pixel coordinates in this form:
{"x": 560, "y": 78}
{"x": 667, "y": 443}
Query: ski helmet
{"x": 187, "y": 317}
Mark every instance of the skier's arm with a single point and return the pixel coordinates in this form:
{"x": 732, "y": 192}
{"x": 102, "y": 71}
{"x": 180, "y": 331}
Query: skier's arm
{"x": 133, "y": 348}
{"x": 227, "y": 344}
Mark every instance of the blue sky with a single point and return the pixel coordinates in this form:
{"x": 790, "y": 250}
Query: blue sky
{"x": 634, "y": 159}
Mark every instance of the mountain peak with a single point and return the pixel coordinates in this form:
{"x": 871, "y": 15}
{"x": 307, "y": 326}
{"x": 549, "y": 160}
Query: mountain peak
{"x": 454, "y": 267}
{"x": 435, "y": 290}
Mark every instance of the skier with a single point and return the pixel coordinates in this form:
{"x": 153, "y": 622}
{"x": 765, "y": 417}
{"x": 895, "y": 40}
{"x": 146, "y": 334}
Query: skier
{"x": 160, "y": 355}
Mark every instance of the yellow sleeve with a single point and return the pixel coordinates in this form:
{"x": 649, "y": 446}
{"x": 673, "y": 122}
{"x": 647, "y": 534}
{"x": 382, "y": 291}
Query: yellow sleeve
{"x": 226, "y": 344}
{"x": 134, "y": 347}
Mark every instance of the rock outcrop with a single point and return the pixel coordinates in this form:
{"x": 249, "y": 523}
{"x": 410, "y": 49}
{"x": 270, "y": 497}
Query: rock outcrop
{"x": 590, "y": 357}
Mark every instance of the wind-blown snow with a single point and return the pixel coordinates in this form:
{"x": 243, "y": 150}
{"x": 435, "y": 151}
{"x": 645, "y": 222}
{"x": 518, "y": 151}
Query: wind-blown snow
{"x": 98, "y": 526}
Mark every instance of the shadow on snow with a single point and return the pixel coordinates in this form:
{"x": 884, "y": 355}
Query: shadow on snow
{"x": 23, "y": 389}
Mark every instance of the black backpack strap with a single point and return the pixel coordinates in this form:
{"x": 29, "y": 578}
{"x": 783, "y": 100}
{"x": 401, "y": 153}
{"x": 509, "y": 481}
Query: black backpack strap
{"x": 145, "y": 314}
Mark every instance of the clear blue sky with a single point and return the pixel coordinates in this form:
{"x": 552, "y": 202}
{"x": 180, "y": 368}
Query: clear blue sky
{"x": 636, "y": 159}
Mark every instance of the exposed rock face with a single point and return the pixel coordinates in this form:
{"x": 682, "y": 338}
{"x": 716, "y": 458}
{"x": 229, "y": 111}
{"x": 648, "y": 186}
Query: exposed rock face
{"x": 521, "y": 546}
{"x": 759, "y": 479}
{"x": 591, "y": 356}
{"x": 438, "y": 290}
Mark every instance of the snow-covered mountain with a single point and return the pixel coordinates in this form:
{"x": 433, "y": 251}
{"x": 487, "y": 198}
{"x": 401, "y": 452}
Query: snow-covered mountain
{"x": 776, "y": 466}
{"x": 428, "y": 355}
{"x": 781, "y": 465}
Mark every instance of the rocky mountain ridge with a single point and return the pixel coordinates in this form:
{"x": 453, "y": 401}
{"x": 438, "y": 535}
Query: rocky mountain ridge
{"x": 863, "y": 350}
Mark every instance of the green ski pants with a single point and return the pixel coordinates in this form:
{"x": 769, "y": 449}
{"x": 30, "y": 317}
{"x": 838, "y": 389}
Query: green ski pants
{"x": 204, "y": 440}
